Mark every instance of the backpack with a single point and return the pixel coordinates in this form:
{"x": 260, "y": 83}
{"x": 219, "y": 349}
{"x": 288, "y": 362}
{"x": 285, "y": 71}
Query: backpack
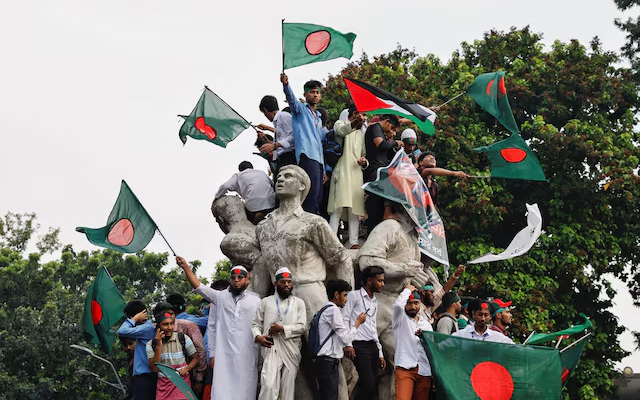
{"x": 314, "y": 333}
{"x": 331, "y": 148}
{"x": 454, "y": 326}
{"x": 183, "y": 344}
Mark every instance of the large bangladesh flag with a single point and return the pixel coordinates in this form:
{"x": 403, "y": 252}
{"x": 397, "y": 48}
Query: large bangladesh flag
{"x": 400, "y": 182}
{"x": 129, "y": 227}
{"x": 308, "y": 43}
{"x": 102, "y": 309}
{"x": 513, "y": 159}
{"x": 467, "y": 369}
{"x": 490, "y": 92}
{"x": 212, "y": 120}
{"x": 373, "y": 100}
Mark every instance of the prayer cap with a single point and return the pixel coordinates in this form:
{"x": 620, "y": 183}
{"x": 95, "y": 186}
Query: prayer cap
{"x": 239, "y": 270}
{"x": 283, "y": 273}
{"x": 409, "y": 136}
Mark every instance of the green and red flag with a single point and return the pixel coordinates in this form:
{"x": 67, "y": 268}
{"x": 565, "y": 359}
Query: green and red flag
{"x": 373, "y": 100}
{"x": 102, "y": 309}
{"x": 467, "y": 369}
{"x": 400, "y": 182}
{"x": 512, "y": 158}
{"x": 213, "y": 120}
{"x": 308, "y": 43}
{"x": 129, "y": 227}
{"x": 177, "y": 380}
{"x": 490, "y": 92}
{"x": 570, "y": 357}
{"x": 582, "y": 324}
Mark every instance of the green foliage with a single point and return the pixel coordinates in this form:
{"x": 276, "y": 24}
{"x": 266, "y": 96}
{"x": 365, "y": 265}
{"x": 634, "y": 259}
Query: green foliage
{"x": 576, "y": 110}
{"x": 41, "y": 311}
{"x": 223, "y": 269}
{"x": 16, "y": 231}
{"x": 632, "y": 27}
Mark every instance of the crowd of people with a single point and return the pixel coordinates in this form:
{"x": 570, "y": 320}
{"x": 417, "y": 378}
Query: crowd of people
{"x": 244, "y": 347}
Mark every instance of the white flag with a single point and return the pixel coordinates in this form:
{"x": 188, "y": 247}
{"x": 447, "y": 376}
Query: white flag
{"x": 522, "y": 242}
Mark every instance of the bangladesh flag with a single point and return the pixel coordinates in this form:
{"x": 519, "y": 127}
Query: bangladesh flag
{"x": 580, "y": 326}
{"x": 489, "y": 91}
{"x": 212, "y": 120}
{"x": 129, "y": 227}
{"x": 373, "y": 100}
{"x": 177, "y": 380}
{"x": 400, "y": 182}
{"x": 570, "y": 357}
{"x": 102, "y": 309}
{"x": 307, "y": 43}
{"x": 513, "y": 159}
{"x": 467, "y": 369}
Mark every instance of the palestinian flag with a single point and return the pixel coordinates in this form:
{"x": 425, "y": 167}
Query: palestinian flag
{"x": 129, "y": 227}
{"x": 102, "y": 309}
{"x": 307, "y": 43}
{"x": 400, "y": 182}
{"x": 467, "y": 369}
{"x": 212, "y": 120}
{"x": 513, "y": 159}
{"x": 373, "y": 100}
{"x": 177, "y": 380}
{"x": 489, "y": 91}
{"x": 570, "y": 357}
{"x": 580, "y": 326}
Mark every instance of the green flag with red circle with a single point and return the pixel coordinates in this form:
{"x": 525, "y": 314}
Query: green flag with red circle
{"x": 512, "y": 158}
{"x": 102, "y": 309}
{"x": 467, "y": 369}
{"x": 490, "y": 92}
{"x": 129, "y": 227}
{"x": 308, "y": 43}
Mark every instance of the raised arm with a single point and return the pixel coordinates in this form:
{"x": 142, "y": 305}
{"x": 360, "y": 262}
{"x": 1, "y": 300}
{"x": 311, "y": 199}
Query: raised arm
{"x": 230, "y": 185}
{"x": 399, "y": 305}
{"x": 443, "y": 172}
{"x": 295, "y": 104}
{"x": 205, "y": 291}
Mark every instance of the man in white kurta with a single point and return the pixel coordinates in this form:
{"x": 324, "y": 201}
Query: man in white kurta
{"x": 278, "y": 327}
{"x": 235, "y": 352}
{"x": 346, "y": 196}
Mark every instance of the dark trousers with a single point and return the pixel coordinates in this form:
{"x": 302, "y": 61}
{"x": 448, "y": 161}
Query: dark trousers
{"x": 288, "y": 158}
{"x": 326, "y": 371}
{"x": 367, "y": 363}
{"x": 314, "y": 170}
{"x": 374, "y": 205}
{"x": 144, "y": 386}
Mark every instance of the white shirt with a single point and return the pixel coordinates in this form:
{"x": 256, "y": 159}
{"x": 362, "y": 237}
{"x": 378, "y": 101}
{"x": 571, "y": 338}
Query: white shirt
{"x": 409, "y": 351}
{"x": 488, "y": 336}
{"x": 331, "y": 320}
{"x": 283, "y": 132}
{"x": 359, "y": 302}
{"x": 254, "y": 186}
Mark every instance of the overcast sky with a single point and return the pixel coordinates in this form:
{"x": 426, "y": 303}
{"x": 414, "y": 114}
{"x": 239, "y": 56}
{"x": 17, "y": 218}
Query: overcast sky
{"x": 90, "y": 90}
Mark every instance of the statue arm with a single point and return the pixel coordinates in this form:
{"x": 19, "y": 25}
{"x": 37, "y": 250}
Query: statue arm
{"x": 333, "y": 252}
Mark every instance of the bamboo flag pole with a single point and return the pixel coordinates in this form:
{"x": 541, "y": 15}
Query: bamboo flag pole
{"x": 576, "y": 342}
{"x": 529, "y": 337}
{"x": 479, "y": 176}
{"x": 165, "y": 240}
{"x": 282, "y": 32}
{"x": 450, "y": 100}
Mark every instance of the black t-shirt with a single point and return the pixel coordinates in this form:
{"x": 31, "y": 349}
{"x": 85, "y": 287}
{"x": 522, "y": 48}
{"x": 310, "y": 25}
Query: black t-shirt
{"x": 378, "y": 156}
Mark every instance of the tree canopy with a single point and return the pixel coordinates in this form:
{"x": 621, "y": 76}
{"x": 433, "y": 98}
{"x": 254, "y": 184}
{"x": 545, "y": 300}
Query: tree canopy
{"x": 576, "y": 109}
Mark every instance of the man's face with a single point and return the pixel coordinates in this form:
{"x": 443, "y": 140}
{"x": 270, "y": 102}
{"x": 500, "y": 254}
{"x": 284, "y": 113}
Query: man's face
{"x": 288, "y": 184}
{"x": 482, "y": 318}
{"x": 269, "y": 114}
{"x": 428, "y": 298}
{"x": 388, "y": 128}
{"x": 313, "y": 96}
{"x": 458, "y": 307}
{"x": 428, "y": 161}
{"x": 505, "y": 317}
{"x": 239, "y": 283}
{"x": 166, "y": 326}
{"x": 377, "y": 283}
{"x": 129, "y": 346}
{"x": 412, "y": 308}
{"x": 341, "y": 298}
{"x": 284, "y": 287}
{"x": 409, "y": 147}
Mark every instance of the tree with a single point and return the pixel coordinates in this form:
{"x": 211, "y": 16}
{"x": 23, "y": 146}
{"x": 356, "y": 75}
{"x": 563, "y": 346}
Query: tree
{"x": 631, "y": 49}
{"x": 576, "y": 110}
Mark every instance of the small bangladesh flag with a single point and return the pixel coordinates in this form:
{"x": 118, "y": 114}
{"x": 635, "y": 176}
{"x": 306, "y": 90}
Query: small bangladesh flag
{"x": 580, "y": 326}
{"x": 102, "y": 309}
{"x": 177, "y": 380}
{"x": 212, "y": 120}
{"x": 570, "y": 357}
{"x": 466, "y": 369}
{"x": 308, "y": 43}
{"x": 513, "y": 159}
{"x": 129, "y": 227}
{"x": 373, "y": 100}
{"x": 489, "y": 91}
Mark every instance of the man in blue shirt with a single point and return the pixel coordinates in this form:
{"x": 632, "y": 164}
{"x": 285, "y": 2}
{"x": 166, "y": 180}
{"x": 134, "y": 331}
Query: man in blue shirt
{"x": 137, "y": 326}
{"x": 179, "y": 307}
{"x": 308, "y": 133}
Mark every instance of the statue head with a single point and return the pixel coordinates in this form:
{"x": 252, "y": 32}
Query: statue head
{"x": 292, "y": 181}
{"x": 228, "y": 210}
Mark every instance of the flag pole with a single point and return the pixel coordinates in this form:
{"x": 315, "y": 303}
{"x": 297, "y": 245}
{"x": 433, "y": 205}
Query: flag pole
{"x": 450, "y": 100}
{"x": 165, "y": 240}
{"x": 479, "y": 176}
{"x": 232, "y": 109}
{"x": 528, "y": 337}
{"x": 282, "y": 33}
{"x": 576, "y": 342}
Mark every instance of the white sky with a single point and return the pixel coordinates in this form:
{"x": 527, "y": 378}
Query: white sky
{"x": 90, "y": 90}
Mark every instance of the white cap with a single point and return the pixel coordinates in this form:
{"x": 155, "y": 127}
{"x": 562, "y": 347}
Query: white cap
{"x": 409, "y": 134}
{"x": 239, "y": 269}
{"x": 285, "y": 272}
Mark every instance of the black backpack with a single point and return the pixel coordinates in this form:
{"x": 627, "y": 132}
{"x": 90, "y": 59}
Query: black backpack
{"x": 331, "y": 148}
{"x": 183, "y": 343}
{"x": 314, "y": 333}
{"x": 455, "y": 323}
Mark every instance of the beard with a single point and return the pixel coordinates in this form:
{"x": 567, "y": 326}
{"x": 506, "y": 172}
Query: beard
{"x": 411, "y": 314}
{"x": 428, "y": 302}
{"x": 283, "y": 293}
{"x": 237, "y": 291}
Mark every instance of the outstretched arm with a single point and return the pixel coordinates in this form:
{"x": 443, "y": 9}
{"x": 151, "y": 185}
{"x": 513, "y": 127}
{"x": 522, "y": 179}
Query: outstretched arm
{"x": 443, "y": 172}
